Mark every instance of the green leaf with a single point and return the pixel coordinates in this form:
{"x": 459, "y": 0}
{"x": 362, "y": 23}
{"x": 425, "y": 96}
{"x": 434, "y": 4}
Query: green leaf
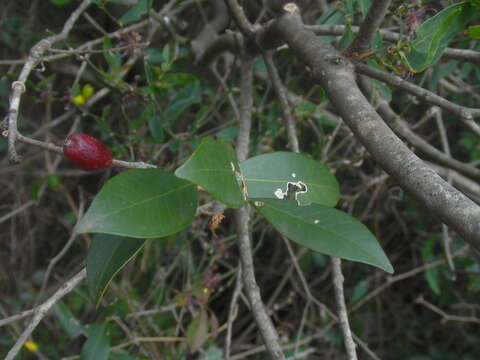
{"x": 364, "y": 6}
{"x": 359, "y": 291}
{"x": 107, "y": 255}
{"x": 68, "y": 321}
{"x": 137, "y": 11}
{"x": 143, "y": 203}
{"x": 61, "y": 3}
{"x": 212, "y": 353}
{"x": 265, "y": 174}
{"x": 332, "y": 16}
{"x": 197, "y": 332}
{"x": 113, "y": 60}
{"x": 54, "y": 182}
{"x": 154, "y": 56}
{"x": 474, "y": 284}
{"x": 189, "y": 95}
{"x": 154, "y": 124}
{"x": 432, "y": 275}
{"x": 324, "y": 229}
{"x": 475, "y": 3}
{"x": 213, "y": 166}
{"x": 76, "y": 89}
{"x": 473, "y": 32}
{"x": 346, "y": 39}
{"x": 97, "y": 347}
{"x": 433, "y": 36}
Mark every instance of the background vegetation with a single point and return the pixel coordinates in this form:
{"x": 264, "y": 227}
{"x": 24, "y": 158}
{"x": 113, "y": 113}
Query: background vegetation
{"x": 157, "y": 92}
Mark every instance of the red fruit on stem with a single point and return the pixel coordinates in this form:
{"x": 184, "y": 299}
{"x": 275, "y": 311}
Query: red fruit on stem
{"x": 86, "y": 152}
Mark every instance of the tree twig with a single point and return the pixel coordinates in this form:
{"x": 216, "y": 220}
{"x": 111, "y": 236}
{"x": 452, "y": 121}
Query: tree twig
{"x": 231, "y": 312}
{"x": 282, "y": 98}
{"x": 245, "y": 27}
{"x": 18, "y": 86}
{"x": 42, "y": 310}
{"x": 342, "y": 308}
{"x": 263, "y": 321}
{"x": 465, "y": 114}
{"x": 364, "y": 38}
{"x": 446, "y": 317}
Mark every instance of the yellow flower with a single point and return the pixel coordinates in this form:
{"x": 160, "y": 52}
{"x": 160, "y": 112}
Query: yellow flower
{"x": 78, "y": 100}
{"x": 31, "y": 346}
{"x": 88, "y": 91}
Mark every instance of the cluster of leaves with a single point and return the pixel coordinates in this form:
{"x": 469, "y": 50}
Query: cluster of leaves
{"x": 153, "y": 203}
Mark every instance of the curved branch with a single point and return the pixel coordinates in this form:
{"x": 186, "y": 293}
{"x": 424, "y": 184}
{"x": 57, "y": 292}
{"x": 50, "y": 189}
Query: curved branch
{"x": 211, "y": 29}
{"x": 335, "y": 74}
{"x": 241, "y": 20}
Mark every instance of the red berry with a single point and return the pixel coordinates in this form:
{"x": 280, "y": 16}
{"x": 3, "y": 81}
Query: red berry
{"x": 86, "y": 152}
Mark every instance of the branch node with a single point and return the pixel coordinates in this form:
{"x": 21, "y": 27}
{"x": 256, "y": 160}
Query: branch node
{"x": 291, "y": 8}
{"x": 20, "y": 84}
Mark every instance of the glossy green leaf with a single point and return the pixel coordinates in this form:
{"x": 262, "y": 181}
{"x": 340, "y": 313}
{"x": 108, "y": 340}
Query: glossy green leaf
{"x": 97, "y": 347}
{"x": 433, "y": 36}
{"x": 324, "y": 229}
{"x": 213, "y": 166}
{"x": 137, "y": 11}
{"x": 268, "y": 175}
{"x": 107, "y": 255}
{"x": 143, "y": 203}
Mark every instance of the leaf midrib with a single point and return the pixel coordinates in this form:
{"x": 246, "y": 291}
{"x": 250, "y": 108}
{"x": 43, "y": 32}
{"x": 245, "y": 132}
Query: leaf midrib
{"x": 139, "y": 203}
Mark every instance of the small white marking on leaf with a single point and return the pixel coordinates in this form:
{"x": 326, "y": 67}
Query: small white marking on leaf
{"x": 294, "y": 175}
{"x": 279, "y": 193}
{"x": 259, "y": 203}
{"x": 316, "y": 221}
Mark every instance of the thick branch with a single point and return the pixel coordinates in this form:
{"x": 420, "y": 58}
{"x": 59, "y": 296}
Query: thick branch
{"x": 335, "y": 74}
